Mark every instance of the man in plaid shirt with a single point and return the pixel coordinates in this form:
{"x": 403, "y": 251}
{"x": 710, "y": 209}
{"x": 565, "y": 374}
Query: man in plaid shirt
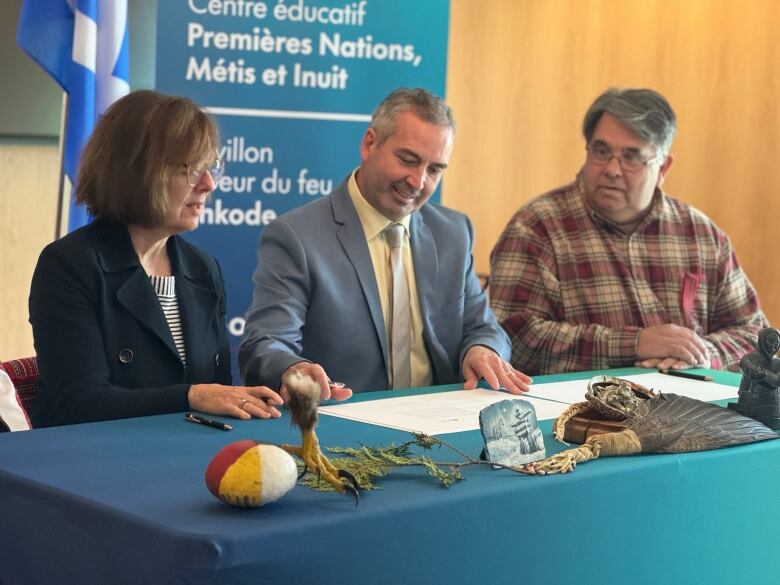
{"x": 610, "y": 271}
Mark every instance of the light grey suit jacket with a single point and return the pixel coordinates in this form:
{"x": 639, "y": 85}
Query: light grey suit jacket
{"x": 316, "y": 297}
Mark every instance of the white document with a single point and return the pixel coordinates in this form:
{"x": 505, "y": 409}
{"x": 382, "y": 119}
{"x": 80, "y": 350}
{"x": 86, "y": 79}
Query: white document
{"x": 435, "y": 414}
{"x": 698, "y": 389}
{"x": 568, "y": 392}
{"x": 456, "y": 411}
{"x": 574, "y": 391}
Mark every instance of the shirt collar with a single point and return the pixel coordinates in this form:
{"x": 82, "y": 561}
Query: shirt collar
{"x": 374, "y": 223}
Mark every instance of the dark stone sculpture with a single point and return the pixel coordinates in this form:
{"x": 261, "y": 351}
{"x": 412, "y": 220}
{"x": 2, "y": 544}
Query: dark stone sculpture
{"x": 759, "y": 391}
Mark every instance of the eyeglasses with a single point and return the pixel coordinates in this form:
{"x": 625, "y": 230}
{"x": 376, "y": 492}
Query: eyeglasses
{"x": 629, "y": 160}
{"x": 216, "y": 169}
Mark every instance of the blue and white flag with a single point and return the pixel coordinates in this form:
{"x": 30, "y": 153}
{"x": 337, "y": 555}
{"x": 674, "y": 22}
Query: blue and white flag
{"x": 82, "y": 44}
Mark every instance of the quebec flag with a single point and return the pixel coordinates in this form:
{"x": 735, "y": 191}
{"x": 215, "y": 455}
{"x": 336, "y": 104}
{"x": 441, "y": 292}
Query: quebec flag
{"x": 82, "y": 44}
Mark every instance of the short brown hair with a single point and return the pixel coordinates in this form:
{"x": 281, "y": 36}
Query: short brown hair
{"x": 140, "y": 141}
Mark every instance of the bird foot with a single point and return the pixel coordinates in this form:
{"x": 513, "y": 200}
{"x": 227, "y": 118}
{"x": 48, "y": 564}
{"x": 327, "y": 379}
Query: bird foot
{"x": 314, "y": 460}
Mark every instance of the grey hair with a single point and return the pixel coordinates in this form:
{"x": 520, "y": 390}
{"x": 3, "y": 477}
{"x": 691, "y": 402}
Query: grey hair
{"x": 420, "y": 102}
{"x": 643, "y": 111}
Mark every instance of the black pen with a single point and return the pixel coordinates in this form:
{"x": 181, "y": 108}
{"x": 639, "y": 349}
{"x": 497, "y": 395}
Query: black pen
{"x": 202, "y": 420}
{"x": 689, "y": 375}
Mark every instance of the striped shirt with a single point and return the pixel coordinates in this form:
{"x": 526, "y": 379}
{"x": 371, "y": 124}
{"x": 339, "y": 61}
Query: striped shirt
{"x": 573, "y": 291}
{"x": 165, "y": 288}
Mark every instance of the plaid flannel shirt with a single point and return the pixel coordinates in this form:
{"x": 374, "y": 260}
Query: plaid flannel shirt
{"x": 573, "y": 291}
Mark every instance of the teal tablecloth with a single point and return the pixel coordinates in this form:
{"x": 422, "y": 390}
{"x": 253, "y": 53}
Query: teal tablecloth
{"x": 125, "y": 502}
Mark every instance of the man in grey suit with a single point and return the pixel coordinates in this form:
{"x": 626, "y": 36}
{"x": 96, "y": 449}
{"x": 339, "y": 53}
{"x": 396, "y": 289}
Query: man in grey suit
{"x": 330, "y": 274}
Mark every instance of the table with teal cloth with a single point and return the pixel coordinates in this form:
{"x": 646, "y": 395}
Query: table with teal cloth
{"x": 125, "y": 502}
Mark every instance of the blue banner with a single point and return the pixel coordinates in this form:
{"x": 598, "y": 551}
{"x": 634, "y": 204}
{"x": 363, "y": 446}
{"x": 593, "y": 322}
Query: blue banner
{"x": 292, "y": 84}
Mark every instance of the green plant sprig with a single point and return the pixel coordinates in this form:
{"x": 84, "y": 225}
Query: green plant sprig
{"x": 368, "y": 463}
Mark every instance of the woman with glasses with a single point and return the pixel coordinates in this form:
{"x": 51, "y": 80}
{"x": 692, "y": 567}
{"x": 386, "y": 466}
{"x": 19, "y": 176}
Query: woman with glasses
{"x": 129, "y": 318}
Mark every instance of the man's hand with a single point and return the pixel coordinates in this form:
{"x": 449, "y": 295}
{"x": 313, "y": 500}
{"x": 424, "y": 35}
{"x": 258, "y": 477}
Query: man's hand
{"x": 328, "y": 390}
{"x": 483, "y": 362}
{"x": 664, "y": 364}
{"x": 672, "y": 342}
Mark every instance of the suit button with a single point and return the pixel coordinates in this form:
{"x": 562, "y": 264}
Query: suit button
{"x": 216, "y": 359}
{"x": 125, "y": 356}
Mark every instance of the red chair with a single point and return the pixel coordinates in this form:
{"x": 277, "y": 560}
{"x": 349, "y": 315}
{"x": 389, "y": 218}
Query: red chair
{"x": 24, "y": 375}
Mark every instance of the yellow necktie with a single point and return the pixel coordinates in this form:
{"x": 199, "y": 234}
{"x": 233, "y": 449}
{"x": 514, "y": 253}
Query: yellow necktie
{"x": 400, "y": 353}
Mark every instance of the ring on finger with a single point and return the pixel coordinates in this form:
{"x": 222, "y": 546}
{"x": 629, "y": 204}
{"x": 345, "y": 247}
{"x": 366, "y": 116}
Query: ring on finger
{"x": 243, "y": 402}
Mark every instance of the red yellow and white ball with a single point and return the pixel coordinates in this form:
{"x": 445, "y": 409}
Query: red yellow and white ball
{"x": 249, "y": 475}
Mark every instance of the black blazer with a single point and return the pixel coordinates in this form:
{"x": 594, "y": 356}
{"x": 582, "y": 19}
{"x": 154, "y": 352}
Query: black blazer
{"x": 104, "y": 347}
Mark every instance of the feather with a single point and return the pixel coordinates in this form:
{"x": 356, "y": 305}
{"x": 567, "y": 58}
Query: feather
{"x": 678, "y": 424}
{"x": 304, "y": 397}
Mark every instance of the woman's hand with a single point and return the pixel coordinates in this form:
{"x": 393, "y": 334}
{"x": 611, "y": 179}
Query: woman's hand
{"x": 242, "y": 402}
